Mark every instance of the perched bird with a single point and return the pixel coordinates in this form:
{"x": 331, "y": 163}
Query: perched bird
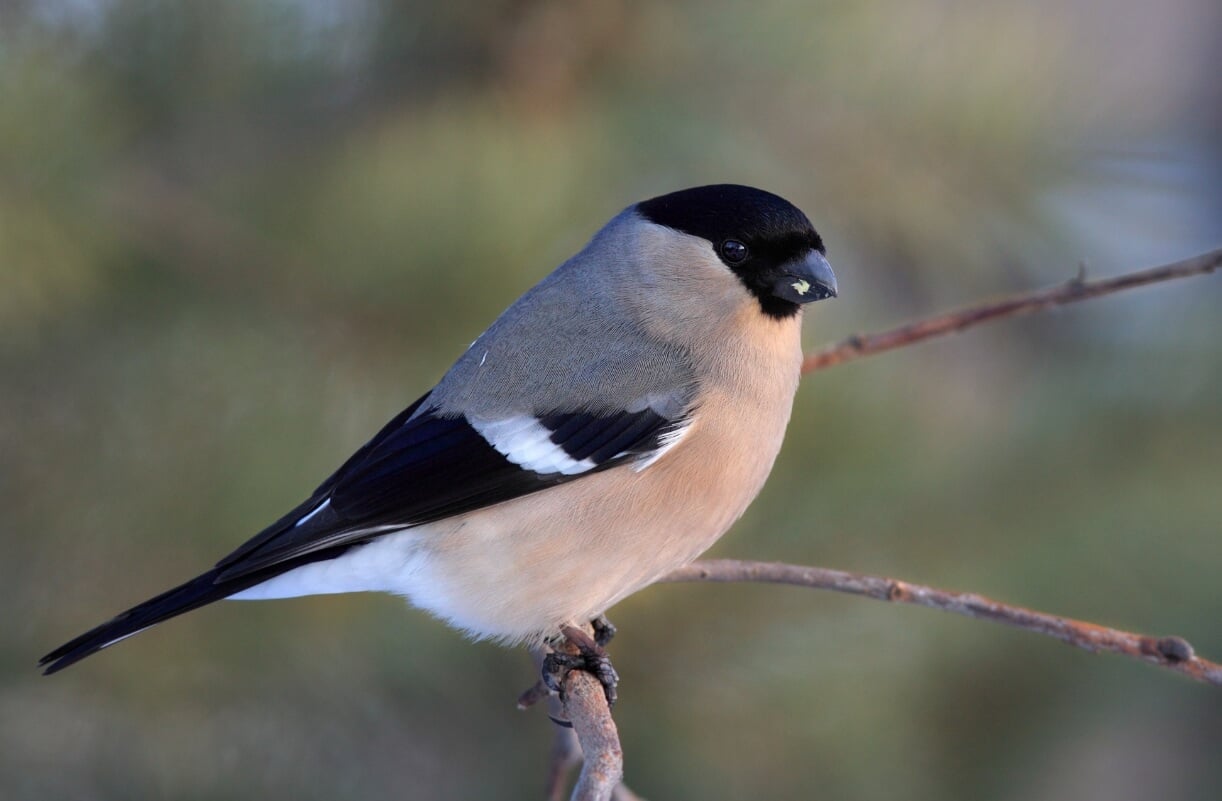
{"x": 606, "y": 429}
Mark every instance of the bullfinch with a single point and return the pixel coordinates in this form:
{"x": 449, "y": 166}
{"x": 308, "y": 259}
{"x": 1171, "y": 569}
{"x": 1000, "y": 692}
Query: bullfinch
{"x": 606, "y": 429}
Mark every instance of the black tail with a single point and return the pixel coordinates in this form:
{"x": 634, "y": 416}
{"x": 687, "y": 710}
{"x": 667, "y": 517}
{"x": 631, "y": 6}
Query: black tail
{"x": 197, "y": 592}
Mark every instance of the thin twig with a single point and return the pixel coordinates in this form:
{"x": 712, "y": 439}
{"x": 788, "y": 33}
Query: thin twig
{"x": 1072, "y": 291}
{"x": 1173, "y": 653}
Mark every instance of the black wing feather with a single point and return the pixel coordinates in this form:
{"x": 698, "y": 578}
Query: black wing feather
{"x": 431, "y": 467}
{"x": 319, "y": 495}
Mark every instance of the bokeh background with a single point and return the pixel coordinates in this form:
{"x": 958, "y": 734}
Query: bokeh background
{"x": 236, "y": 237}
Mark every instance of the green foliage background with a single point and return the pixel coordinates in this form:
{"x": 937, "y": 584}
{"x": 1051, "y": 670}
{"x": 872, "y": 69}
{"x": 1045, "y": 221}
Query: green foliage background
{"x": 235, "y": 237}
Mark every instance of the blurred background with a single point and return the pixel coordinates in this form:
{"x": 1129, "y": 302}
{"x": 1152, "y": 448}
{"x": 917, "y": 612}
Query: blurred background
{"x": 236, "y": 237}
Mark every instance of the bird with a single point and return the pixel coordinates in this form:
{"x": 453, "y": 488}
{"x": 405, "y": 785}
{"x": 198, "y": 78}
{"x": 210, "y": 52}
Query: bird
{"x": 606, "y": 429}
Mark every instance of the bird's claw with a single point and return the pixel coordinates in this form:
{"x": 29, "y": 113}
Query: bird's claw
{"x": 604, "y": 630}
{"x": 590, "y": 657}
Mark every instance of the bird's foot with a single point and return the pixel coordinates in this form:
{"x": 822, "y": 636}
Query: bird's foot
{"x": 590, "y": 657}
{"x": 604, "y": 630}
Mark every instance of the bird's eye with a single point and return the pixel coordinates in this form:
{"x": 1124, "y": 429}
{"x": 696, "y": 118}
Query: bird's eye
{"x": 733, "y": 251}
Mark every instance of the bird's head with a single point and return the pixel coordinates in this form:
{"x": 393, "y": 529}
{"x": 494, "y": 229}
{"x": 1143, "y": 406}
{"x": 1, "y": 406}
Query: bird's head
{"x": 764, "y": 240}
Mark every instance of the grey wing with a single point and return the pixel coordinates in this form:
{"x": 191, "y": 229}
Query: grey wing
{"x": 566, "y": 347}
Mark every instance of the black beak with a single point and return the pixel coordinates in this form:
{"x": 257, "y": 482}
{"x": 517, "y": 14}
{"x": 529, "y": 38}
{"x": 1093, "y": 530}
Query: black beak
{"x": 806, "y": 280}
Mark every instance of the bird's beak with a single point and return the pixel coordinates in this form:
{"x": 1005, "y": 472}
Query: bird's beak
{"x": 806, "y": 280}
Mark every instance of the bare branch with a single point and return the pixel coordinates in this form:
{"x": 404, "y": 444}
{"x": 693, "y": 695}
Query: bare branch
{"x": 1173, "y": 653}
{"x": 593, "y": 740}
{"x": 1072, "y": 291}
{"x": 585, "y": 705}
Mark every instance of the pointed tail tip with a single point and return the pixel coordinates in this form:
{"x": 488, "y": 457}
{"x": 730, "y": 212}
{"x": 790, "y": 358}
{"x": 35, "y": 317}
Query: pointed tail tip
{"x": 62, "y": 657}
{"x": 49, "y": 664}
{"x": 96, "y": 639}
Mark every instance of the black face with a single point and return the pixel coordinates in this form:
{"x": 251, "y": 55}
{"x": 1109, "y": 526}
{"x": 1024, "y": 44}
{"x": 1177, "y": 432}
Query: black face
{"x": 764, "y": 240}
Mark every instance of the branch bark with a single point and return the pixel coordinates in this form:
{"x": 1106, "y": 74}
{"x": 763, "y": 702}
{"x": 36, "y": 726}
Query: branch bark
{"x": 593, "y": 741}
{"x": 1173, "y": 653}
{"x": 585, "y": 704}
{"x": 1072, "y": 291}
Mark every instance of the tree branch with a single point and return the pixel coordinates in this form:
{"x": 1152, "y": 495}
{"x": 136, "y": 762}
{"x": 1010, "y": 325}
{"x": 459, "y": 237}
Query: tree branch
{"x": 585, "y": 705}
{"x": 593, "y": 741}
{"x": 1173, "y": 653}
{"x": 1074, "y": 290}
